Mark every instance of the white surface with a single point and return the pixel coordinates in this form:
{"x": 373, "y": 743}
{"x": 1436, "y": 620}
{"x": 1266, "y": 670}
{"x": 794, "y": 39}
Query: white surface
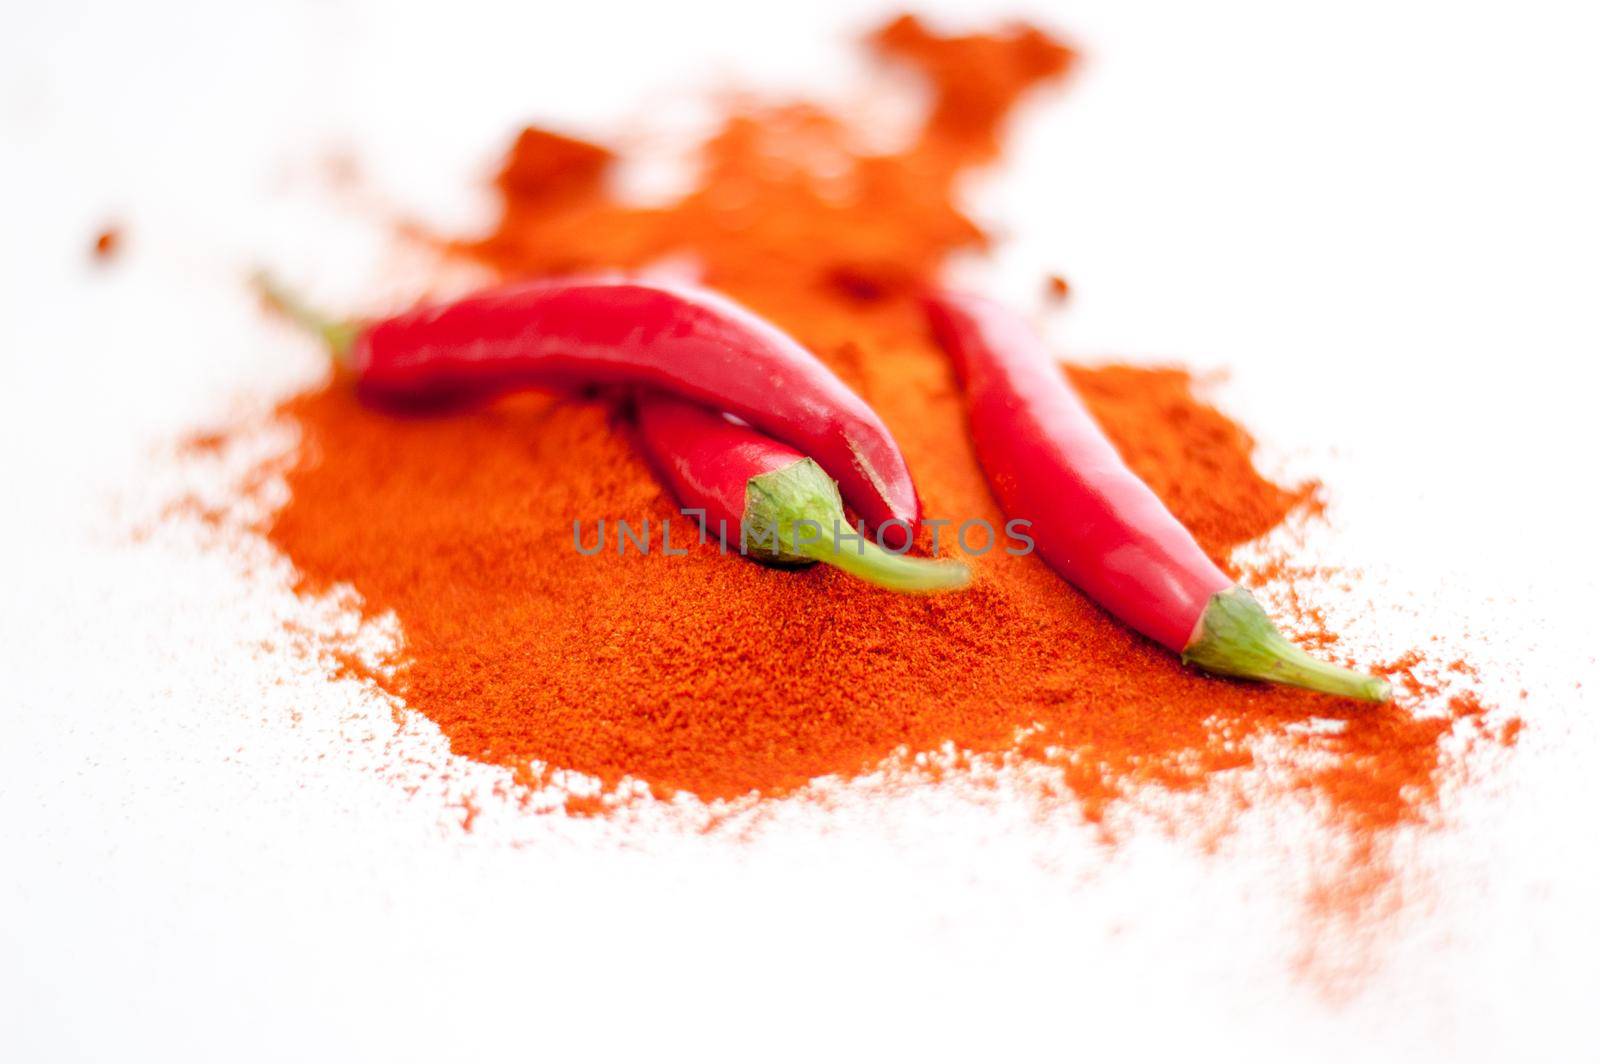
{"x": 1381, "y": 216}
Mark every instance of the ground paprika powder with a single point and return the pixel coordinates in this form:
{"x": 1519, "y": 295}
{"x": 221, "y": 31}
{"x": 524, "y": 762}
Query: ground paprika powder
{"x": 713, "y": 677}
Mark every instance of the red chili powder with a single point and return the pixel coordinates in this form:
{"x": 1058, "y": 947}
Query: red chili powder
{"x": 717, "y": 677}
{"x": 107, "y": 243}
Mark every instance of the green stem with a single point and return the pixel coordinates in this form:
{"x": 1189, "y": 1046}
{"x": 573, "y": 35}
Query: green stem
{"x": 896, "y": 572}
{"x": 793, "y": 515}
{"x": 338, "y": 335}
{"x": 1235, "y": 637}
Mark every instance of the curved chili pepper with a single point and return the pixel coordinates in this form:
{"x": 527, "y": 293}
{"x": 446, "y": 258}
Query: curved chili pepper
{"x": 1094, "y": 521}
{"x": 690, "y": 342}
{"x": 768, "y": 497}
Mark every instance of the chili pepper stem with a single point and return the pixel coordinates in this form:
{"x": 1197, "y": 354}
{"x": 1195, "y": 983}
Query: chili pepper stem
{"x": 339, "y": 336}
{"x": 870, "y": 562}
{"x": 794, "y": 516}
{"x": 1235, "y": 637}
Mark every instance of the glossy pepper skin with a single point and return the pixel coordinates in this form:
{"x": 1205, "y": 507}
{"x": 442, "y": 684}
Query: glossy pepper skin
{"x": 1098, "y": 524}
{"x": 707, "y": 460}
{"x": 747, "y": 482}
{"x": 681, "y": 340}
{"x": 1047, "y": 461}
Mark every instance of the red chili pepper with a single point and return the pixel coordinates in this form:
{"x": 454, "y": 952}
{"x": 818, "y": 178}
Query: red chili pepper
{"x": 1098, "y": 524}
{"x": 690, "y": 342}
{"x": 767, "y": 498}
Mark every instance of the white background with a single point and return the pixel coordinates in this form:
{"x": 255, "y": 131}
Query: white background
{"x": 1381, "y": 217}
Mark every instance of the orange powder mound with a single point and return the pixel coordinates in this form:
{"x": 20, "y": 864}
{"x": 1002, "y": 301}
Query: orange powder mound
{"x": 784, "y": 202}
{"x": 717, "y": 677}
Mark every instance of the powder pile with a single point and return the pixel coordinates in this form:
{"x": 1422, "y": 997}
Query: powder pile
{"x": 716, "y": 677}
